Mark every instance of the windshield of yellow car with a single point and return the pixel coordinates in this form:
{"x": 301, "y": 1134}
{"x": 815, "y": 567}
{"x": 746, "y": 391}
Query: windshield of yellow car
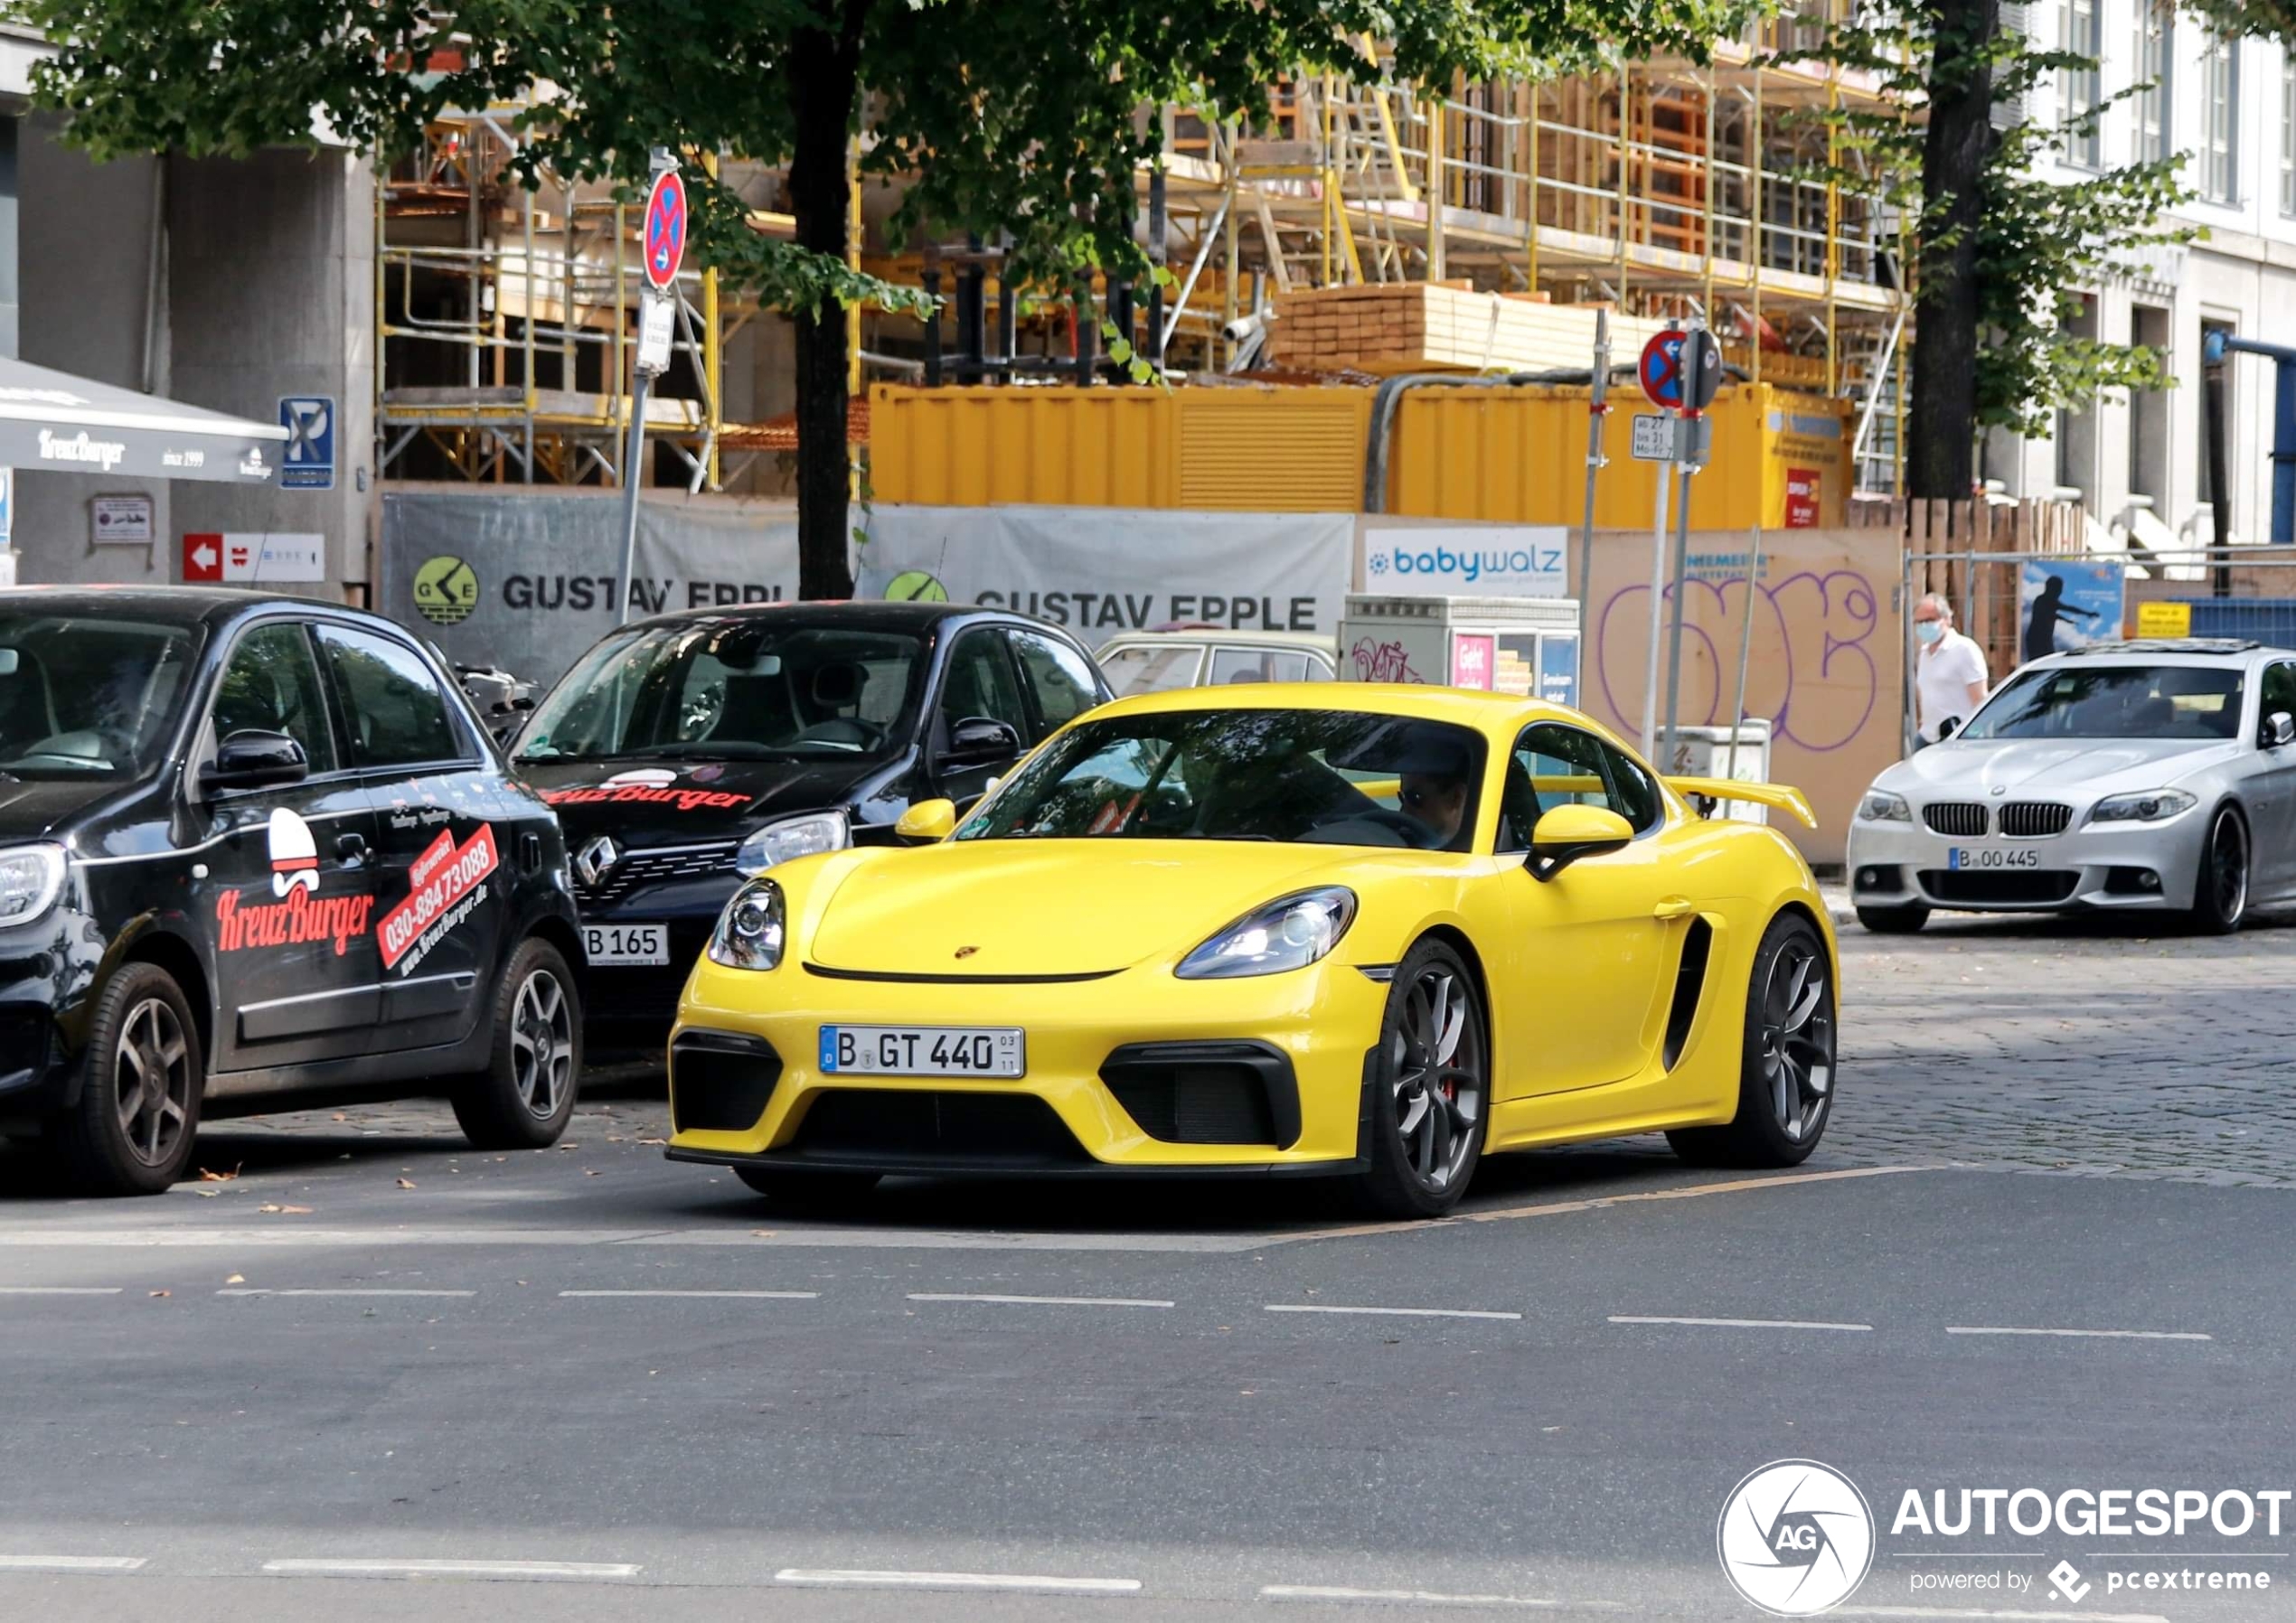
{"x": 1316, "y": 777}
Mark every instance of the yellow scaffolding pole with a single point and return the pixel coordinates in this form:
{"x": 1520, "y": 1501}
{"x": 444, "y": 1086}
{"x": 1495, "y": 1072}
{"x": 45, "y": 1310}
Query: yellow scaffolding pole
{"x": 1436, "y": 258}
{"x": 1833, "y": 214}
{"x": 1625, "y": 98}
{"x": 1533, "y": 208}
{"x": 713, "y": 355}
{"x": 1756, "y": 165}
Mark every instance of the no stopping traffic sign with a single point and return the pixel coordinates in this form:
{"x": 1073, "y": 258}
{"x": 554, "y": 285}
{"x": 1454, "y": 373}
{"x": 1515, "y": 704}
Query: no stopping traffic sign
{"x": 664, "y": 229}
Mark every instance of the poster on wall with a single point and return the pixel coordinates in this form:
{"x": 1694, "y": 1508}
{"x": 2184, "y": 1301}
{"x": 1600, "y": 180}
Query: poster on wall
{"x": 1465, "y": 561}
{"x": 2067, "y": 605}
{"x": 524, "y": 583}
{"x": 1101, "y": 570}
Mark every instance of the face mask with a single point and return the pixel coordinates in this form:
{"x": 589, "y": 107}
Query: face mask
{"x": 1929, "y": 632}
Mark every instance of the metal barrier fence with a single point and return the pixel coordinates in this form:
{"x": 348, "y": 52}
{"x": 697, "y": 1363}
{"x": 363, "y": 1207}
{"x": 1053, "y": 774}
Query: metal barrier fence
{"x": 2005, "y": 602}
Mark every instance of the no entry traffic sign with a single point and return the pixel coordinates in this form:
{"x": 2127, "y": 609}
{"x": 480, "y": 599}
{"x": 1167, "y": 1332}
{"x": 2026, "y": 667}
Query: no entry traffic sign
{"x": 664, "y": 229}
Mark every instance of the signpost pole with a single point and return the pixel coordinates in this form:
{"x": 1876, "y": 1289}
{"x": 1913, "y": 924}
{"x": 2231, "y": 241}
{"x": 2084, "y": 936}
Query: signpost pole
{"x": 1660, "y": 372}
{"x": 662, "y": 249}
{"x": 1701, "y": 369}
{"x": 1597, "y": 408}
{"x": 1658, "y": 611}
{"x": 1745, "y": 648}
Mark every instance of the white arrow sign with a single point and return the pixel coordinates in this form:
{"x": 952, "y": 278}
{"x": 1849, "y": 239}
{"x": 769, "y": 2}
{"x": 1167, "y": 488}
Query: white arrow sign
{"x": 204, "y": 557}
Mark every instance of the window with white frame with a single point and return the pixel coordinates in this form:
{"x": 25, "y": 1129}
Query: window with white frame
{"x": 2078, "y": 89}
{"x": 2219, "y": 119}
{"x": 2156, "y": 56}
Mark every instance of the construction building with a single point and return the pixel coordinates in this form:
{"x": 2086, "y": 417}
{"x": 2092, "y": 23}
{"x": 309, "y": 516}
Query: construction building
{"x": 472, "y": 333}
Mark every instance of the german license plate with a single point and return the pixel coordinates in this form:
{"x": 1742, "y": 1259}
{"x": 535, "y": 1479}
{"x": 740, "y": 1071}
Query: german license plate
{"x": 626, "y": 944}
{"x": 922, "y": 1051}
{"x": 1963, "y": 857}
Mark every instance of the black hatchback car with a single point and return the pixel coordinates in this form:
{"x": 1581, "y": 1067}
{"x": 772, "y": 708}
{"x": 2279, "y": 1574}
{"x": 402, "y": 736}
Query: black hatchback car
{"x": 257, "y": 851}
{"x": 689, "y": 751}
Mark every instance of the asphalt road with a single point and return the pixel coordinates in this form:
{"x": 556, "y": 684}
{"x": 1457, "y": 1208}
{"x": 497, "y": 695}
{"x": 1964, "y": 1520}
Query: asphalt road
{"x": 583, "y": 1383}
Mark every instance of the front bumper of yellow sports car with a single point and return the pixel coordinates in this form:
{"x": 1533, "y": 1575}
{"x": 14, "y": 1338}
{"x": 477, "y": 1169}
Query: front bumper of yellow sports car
{"x": 1136, "y": 1071}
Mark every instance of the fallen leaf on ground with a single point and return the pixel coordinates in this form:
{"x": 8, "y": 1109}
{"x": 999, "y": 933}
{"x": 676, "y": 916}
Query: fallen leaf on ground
{"x": 206, "y": 1176}
{"x": 207, "y": 1193}
{"x": 237, "y": 1279}
{"x": 654, "y": 1140}
{"x": 338, "y": 1116}
{"x": 304, "y": 1211}
{"x": 162, "y": 1293}
{"x": 406, "y": 1183}
{"x": 589, "y": 1172}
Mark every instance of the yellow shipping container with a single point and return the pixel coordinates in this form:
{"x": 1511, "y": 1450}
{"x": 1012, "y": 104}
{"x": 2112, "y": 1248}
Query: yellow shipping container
{"x": 1495, "y": 454}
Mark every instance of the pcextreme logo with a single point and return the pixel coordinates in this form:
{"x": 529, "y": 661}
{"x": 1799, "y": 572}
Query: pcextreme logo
{"x": 1796, "y": 1538}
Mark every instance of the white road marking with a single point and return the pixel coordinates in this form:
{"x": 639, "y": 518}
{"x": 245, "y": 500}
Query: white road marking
{"x": 70, "y": 1563}
{"x": 1992, "y": 1329}
{"x": 1036, "y": 1301}
{"x": 60, "y": 1290}
{"x": 254, "y": 1291}
{"x": 1596, "y": 1203}
{"x": 1310, "y": 1591}
{"x": 1948, "y": 1611}
{"x": 288, "y": 1236}
{"x": 1390, "y": 1312}
{"x": 452, "y": 1569}
{"x": 1019, "y": 1583}
{"x": 1738, "y": 1324}
{"x": 778, "y": 1295}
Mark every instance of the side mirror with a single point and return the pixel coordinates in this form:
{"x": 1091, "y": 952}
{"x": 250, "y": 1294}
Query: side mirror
{"x": 1570, "y": 832}
{"x": 255, "y": 760}
{"x": 977, "y": 741}
{"x": 927, "y": 822}
{"x": 2279, "y": 728}
{"x": 1947, "y": 726}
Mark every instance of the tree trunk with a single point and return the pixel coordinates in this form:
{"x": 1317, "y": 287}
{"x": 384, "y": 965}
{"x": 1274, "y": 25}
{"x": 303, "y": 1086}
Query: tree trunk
{"x": 825, "y": 81}
{"x": 1942, "y": 430}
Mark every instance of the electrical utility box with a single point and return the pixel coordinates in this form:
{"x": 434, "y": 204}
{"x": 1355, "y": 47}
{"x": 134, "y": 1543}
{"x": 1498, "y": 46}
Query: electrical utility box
{"x": 1522, "y": 646}
{"x": 1703, "y": 752}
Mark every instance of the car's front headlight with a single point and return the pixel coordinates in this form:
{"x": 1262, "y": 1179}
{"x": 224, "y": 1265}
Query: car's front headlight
{"x": 30, "y": 878}
{"x": 2151, "y": 805}
{"x": 1881, "y": 806}
{"x": 1289, "y": 932}
{"x": 791, "y": 837}
{"x": 752, "y": 928}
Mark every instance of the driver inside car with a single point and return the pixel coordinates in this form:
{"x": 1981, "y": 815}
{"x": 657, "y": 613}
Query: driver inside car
{"x": 1431, "y": 791}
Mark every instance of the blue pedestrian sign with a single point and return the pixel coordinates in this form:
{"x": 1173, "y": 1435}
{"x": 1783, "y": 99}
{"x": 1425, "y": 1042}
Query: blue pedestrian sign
{"x": 306, "y": 462}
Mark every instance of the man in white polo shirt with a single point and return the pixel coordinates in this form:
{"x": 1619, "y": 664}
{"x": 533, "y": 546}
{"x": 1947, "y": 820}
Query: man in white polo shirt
{"x": 1951, "y": 681}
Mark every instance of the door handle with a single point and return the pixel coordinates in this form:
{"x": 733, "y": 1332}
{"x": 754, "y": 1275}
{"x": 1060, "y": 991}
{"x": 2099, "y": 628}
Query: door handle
{"x": 1670, "y": 908}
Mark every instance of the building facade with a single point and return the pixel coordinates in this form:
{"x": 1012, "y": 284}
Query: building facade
{"x": 2139, "y": 464}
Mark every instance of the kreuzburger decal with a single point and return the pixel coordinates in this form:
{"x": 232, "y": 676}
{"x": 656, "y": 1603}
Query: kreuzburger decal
{"x": 445, "y": 885}
{"x": 301, "y": 915}
{"x": 646, "y": 786}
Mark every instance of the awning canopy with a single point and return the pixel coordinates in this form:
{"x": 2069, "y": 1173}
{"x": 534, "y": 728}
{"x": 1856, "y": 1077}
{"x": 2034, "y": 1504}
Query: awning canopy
{"x": 57, "y": 423}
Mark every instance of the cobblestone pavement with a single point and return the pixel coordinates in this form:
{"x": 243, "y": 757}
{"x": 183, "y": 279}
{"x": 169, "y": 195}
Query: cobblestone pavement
{"x": 2091, "y": 1048}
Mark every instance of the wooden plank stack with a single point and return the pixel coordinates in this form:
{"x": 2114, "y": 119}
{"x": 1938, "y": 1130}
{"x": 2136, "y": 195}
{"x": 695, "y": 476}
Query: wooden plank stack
{"x": 1421, "y": 326}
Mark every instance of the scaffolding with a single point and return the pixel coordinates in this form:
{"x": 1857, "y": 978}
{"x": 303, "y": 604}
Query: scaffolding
{"x": 1659, "y": 189}
{"x": 507, "y": 319}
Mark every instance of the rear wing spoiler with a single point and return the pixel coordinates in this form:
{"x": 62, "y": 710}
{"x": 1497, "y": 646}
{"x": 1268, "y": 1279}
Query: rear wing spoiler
{"x": 1778, "y": 797}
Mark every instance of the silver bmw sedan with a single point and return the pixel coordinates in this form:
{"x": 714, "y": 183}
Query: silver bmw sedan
{"x": 2146, "y": 775}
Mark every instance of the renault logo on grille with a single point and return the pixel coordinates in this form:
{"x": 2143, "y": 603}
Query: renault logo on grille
{"x": 595, "y": 860}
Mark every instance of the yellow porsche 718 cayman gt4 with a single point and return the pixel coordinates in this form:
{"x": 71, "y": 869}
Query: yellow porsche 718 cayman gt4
{"x": 1330, "y": 928}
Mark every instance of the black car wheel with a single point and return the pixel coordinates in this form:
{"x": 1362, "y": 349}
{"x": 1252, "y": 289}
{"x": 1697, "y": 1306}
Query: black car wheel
{"x": 1787, "y": 1064}
{"x": 138, "y": 1112}
{"x": 1430, "y": 1088}
{"x": 2220, "y": 895}
{"x": 1893, "y": 921}
{"x": 524, "y": 1096}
